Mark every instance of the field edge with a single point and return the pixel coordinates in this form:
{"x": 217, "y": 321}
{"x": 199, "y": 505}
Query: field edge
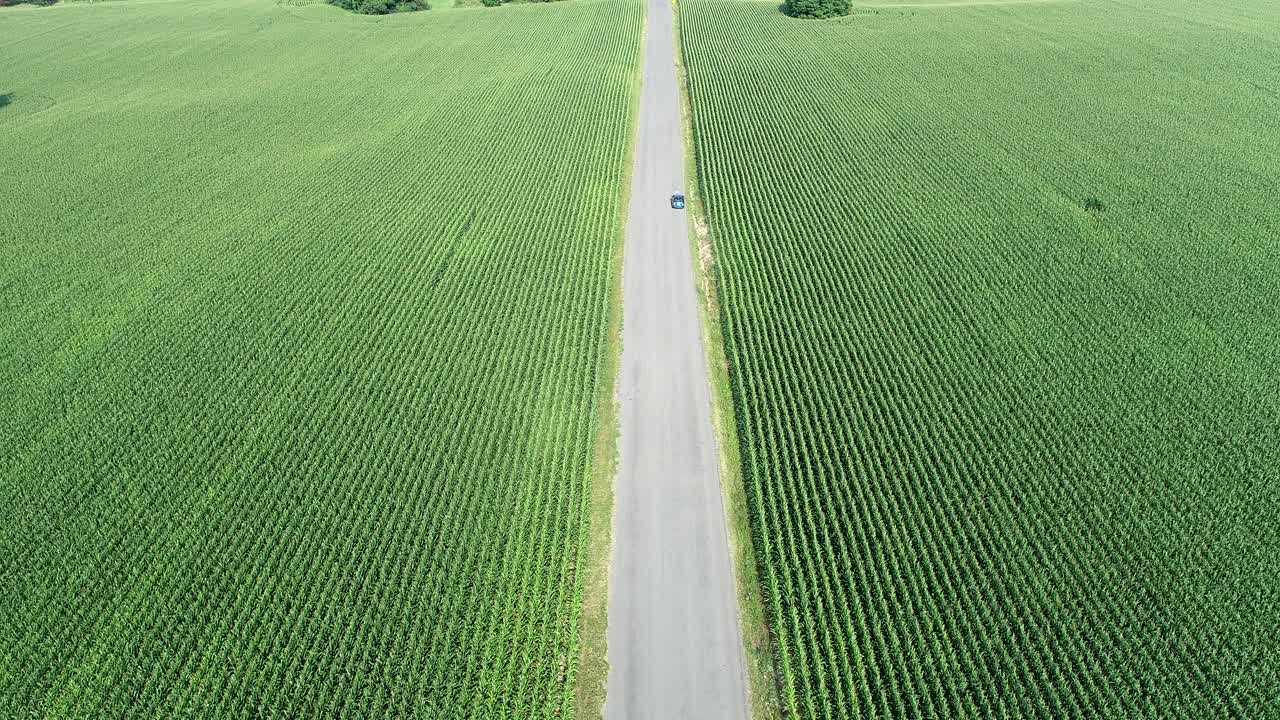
{"x": 592, "y": 679}
{"x": 757, "y": 643}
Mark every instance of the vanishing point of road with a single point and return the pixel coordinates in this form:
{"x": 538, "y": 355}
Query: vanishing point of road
{"x": 675, "y": 649}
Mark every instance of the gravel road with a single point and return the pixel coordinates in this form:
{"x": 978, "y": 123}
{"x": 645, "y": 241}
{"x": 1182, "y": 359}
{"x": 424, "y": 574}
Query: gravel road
{"x": 675, "y": 650}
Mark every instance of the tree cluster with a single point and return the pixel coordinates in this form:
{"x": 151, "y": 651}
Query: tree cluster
{"x": 817, "y": 9}
{"x": 381, "y": 7}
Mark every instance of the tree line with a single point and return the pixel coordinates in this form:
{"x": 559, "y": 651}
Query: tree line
{"x": 381, "y": 7}
{"x": 817, "y": 9}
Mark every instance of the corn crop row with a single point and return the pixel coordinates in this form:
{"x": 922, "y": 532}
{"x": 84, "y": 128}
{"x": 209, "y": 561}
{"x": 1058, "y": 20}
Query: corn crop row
{"x": 303, "y": 339}
{"x": 993, "y": 284}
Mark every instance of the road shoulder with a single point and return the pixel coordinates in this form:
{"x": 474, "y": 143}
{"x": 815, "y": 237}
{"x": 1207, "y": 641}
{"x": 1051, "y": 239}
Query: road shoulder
{"x": 591, "y": 682}
{"x": 757, "y": 643}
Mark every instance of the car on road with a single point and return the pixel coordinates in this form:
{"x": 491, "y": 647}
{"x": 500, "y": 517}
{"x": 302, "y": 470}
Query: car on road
{"x": 677, "y": 201}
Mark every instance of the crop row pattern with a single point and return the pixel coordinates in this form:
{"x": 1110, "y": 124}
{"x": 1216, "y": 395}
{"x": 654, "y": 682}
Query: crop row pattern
{"x": 998, "y": 292}
{"x": 304, "y": 324}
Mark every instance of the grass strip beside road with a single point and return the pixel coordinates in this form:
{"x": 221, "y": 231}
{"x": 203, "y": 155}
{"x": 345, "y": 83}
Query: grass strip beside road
{"x": 591, "y": 682}
{"x": 756, "y": 640}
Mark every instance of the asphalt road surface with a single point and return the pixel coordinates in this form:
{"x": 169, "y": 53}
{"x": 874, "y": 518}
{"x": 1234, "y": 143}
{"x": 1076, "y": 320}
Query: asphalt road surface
{"x": 675, "y": 650}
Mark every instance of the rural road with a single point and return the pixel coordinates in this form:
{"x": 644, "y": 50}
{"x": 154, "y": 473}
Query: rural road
{"x": 675, "y": 650}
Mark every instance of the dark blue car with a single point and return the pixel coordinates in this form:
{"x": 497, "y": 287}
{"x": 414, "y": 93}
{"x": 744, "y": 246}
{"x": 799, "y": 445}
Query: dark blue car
{"x": 677, "y": 201}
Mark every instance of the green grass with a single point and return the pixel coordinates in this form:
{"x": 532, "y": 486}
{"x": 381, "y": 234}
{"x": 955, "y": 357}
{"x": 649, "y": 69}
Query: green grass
{"x": 305, "y": 332}
{"x": 592, "y": 680}
{"x": 762, "y": 684}
{"x": 1008, "y": 452}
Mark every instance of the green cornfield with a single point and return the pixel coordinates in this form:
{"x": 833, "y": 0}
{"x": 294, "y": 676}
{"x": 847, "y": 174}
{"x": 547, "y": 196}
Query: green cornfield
{"x": 1000, "y": 290}
{"x": 304, "y": 325}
